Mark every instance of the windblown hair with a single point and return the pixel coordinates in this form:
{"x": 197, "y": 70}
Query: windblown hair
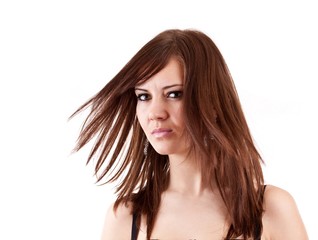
{"x": 212, "y": 111}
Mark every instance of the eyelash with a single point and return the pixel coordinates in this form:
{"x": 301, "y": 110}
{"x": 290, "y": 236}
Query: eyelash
{"x": 178, "y": 94}
{"x": 145, "y": 96}
{"x": 141, "y": 95}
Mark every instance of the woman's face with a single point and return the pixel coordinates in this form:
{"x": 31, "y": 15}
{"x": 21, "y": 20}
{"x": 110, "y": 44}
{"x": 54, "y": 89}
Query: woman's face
{"x": 160, "y": 110}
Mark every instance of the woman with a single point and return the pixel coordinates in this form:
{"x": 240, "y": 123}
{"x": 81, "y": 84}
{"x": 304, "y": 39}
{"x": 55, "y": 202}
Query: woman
{"x": 170, "y": 127}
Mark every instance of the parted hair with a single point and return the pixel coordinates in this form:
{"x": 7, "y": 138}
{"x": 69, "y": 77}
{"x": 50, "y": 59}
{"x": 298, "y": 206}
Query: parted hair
{"x": 214, "y": 121}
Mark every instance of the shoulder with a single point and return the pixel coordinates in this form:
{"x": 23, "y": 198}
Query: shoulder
{"x": 118, "y": 222}
{"x": 281, "y": 218}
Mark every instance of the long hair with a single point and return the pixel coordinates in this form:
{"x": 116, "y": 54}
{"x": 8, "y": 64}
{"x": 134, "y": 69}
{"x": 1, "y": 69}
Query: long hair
{"x": 214, "y": 120}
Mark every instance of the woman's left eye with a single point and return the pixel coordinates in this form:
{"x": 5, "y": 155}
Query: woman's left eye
{"x": 175, "y": 94}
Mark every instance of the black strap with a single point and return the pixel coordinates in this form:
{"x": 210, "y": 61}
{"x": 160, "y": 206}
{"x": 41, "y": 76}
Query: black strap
{"x": 134, "y": 230}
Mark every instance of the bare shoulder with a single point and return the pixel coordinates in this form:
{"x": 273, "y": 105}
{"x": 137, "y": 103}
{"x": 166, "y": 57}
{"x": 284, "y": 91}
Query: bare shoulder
{"x": 117, "y": 222}
{"x": 281, "y": 218}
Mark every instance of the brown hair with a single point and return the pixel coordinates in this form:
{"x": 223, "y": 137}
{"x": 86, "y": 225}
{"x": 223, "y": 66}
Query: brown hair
{"x": 212, "y": 111}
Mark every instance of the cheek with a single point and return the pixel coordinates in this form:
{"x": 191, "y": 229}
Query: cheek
{"x": 141, "y": 117}
{"x": 180, "y": 116}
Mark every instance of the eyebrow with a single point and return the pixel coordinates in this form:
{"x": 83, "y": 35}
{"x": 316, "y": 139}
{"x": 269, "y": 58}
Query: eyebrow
{"x": 164, "y": 88}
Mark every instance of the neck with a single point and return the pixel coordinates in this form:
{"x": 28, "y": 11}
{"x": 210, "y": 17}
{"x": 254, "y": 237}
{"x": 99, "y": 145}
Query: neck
{"x": 186, "y": 176}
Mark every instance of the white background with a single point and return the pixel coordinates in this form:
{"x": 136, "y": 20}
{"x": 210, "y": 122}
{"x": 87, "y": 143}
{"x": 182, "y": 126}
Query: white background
{"x": 54, "y": 55}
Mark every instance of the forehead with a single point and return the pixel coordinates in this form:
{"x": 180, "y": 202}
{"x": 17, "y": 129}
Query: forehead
{"x": 172, "y": 73}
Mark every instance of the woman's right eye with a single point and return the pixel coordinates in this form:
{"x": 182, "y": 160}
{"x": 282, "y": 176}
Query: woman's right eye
{"x": 143, "y": 97}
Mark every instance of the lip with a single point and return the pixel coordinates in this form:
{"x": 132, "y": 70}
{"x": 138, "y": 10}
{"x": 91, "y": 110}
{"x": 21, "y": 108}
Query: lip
{"x": 161, "y": 132}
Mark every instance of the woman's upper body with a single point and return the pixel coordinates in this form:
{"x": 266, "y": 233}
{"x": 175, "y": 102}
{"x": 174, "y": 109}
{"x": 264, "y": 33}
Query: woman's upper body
{"x": 170, "y": 126}
{"x": 187, "y": 217}
{"x": 189, "y": 209}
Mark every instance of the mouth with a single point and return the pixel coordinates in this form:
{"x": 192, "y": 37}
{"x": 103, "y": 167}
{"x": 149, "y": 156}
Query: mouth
{"x": 161, "y": 132}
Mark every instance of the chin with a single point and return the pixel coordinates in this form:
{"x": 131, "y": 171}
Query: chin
{"x": 168, "y": 148}
{"x": 163, "y": 150}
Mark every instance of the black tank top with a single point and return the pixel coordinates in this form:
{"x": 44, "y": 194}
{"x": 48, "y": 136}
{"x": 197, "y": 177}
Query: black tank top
{"x": 134, "y": 229}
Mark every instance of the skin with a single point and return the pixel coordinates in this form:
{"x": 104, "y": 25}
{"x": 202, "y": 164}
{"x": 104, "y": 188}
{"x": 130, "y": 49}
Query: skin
{"x": 189, "y": 209}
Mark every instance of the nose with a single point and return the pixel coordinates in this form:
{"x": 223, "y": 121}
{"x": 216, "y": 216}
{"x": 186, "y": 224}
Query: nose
{"x": 157, "y": 110}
